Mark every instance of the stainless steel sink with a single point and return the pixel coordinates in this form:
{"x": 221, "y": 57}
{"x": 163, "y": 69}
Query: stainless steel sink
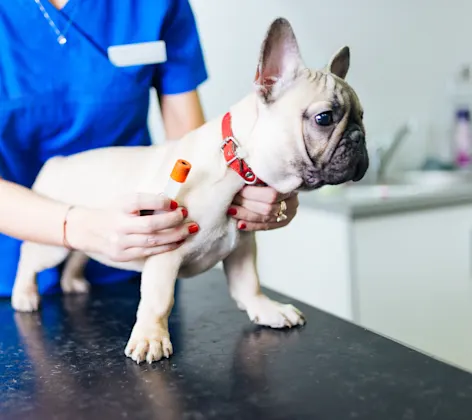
{"x": 366, "y": 192}
{"x": 434, "y": 178}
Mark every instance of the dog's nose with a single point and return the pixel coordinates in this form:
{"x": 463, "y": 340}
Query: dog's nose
{"x": 358, "y": 136}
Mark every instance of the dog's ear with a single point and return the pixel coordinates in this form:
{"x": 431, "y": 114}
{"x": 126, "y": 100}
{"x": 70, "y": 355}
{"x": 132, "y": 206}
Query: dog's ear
{"x": 339, "y": 64}
{"x": 279, "y": 62}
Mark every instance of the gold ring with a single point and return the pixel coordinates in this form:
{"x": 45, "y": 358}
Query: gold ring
{"x": 281, "y": 216}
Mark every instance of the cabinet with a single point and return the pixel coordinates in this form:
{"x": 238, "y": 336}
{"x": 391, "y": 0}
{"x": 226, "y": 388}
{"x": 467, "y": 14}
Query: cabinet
{"x": 404, "y": 275}
{"x": 413, "y": 277}
{"x": 309, "y": 260}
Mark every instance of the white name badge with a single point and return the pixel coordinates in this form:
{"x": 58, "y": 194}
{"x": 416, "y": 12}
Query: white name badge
{"x": 153, "y": 52}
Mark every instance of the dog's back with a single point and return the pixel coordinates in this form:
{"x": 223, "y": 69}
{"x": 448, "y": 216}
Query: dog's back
{"x": 82, "y": 178}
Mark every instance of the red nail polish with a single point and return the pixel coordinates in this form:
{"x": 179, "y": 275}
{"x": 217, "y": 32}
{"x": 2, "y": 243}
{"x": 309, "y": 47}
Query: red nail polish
{"x": 185, "y": 212}
{"x": 231, "y": 212}
{"x": 193, "y": 229}
{"x": 173, "y": 204}
{"x": 242, "y": 226}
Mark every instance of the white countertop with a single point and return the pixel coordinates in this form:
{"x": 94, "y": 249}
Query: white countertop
{"x": 360, "y": 201}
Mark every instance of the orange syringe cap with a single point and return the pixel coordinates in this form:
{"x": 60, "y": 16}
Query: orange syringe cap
{"x": 180, "y": 171}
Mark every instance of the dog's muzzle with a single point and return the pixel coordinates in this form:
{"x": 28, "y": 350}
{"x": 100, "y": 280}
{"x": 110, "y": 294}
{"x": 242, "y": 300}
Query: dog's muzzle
{"x": 349, "y": 162}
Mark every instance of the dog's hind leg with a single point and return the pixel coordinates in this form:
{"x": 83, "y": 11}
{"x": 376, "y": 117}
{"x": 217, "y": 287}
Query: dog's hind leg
{"x": 72, "y": 279}
{"x": 243, "y": 281}
{"x": 34, "y": 258}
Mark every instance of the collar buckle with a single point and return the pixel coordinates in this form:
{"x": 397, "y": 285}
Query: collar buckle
{"x": 234, "y": 154}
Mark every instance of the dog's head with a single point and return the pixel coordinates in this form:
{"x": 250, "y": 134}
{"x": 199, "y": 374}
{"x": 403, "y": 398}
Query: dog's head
{"x": 309, "y": 121}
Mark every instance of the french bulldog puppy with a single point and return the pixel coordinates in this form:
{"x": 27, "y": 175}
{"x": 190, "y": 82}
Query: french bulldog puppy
{"x": 298, "y": 130}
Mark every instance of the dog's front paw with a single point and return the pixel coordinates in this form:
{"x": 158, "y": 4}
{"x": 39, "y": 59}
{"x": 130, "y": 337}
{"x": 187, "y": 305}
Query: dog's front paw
{"x": 264, "y": 311}
{"x": 149, "y": 346}
{"x": 25, "y": 300}
{"x": 75, "y": 285}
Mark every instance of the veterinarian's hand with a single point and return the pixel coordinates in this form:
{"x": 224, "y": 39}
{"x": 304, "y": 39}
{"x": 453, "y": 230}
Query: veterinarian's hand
{"x": 256, "y": 208}
{"x": 120, "y": 233}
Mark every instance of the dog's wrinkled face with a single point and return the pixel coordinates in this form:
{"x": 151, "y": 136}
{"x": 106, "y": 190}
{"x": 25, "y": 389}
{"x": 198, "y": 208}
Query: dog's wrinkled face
{"x": 311, "y": 120}
{"x": 334, "y": 135}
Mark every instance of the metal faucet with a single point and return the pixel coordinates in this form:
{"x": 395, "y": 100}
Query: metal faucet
{"x": 383, "y": 156}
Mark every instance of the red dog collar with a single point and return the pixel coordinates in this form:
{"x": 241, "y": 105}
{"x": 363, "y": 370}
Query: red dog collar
{"x": 235, "y": 160}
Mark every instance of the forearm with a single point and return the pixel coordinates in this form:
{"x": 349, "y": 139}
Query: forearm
{"x": 181, "y": 113}
{"x": 26, "y": 215}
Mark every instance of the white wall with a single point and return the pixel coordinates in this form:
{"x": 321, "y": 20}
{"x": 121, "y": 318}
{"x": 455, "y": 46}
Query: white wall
{"x": 403, "y": 55}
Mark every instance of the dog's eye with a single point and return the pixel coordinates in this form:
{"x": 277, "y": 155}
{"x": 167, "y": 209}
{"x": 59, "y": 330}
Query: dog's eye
{"x": 324, "y": 119}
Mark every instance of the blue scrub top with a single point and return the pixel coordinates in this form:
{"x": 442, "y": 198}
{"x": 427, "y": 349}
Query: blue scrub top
{"x": 62, "y": 99}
